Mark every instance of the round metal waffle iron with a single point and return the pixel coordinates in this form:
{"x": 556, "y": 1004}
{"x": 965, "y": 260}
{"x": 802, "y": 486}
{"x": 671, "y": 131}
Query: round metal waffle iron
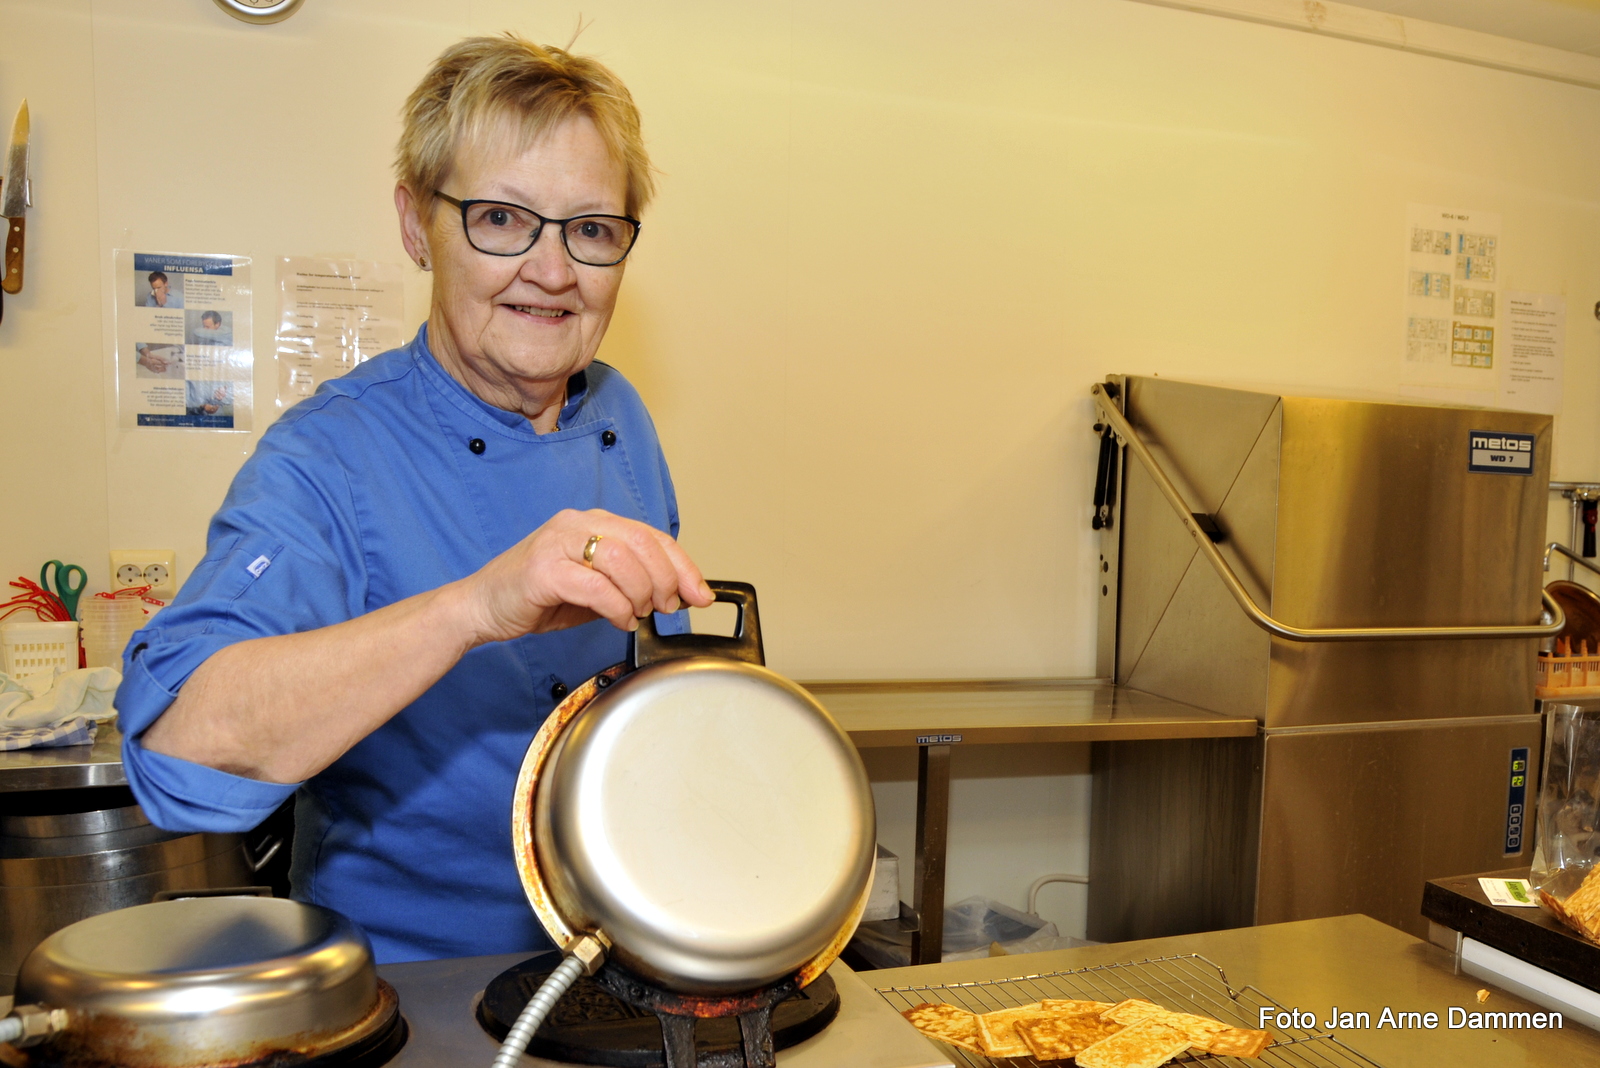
{"x": 206, "y": 982}
{"x": 696, "y": 833}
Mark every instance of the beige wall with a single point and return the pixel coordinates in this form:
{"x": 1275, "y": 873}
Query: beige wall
{"x": 895, "y": 244}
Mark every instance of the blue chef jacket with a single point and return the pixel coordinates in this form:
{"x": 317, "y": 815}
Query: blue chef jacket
{"x": 389, "y": 482}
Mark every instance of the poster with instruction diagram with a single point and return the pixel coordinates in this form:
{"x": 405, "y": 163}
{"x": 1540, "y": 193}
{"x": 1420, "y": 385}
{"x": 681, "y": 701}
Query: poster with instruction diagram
{"x": 1536, "y": 341}
{"x": 1452, "y": 350}
{"x": 184, "y": 355}
{"x": 332, "y": 315}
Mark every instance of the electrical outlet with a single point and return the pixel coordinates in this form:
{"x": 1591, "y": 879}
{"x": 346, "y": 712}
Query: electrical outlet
{"x": 156, "y": 568}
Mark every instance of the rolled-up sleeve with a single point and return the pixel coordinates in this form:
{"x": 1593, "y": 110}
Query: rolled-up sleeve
{"x": 283, "y": 556}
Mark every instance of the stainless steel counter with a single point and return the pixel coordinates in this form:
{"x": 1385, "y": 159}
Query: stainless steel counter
{"x": 1353, "y": 962}
{"x": 933, "y": 716}
{"x": 874, "y": 713}
{"x": 439, "y": 997}
{"x": 1014, "y": 712}
{"x": 65, "y": 767}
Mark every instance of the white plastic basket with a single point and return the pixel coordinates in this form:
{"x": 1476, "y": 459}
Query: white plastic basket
{"x": 39, "y": 648}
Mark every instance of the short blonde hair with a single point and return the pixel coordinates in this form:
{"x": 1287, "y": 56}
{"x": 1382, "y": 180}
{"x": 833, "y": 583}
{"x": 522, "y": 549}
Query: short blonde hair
{"x": 482, "y": 82}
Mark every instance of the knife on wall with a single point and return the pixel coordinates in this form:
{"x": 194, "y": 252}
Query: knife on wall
{"x": 15, "y": 198}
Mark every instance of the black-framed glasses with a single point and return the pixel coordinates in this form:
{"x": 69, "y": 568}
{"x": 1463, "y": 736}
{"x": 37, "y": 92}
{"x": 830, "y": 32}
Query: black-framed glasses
{"x": 500, "y": 229}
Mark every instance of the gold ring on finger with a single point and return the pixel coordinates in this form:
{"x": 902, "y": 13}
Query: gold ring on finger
{"x": 589, "y": 547}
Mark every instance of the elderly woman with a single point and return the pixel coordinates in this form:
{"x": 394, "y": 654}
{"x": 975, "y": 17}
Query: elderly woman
{"x": 419, "y": 560}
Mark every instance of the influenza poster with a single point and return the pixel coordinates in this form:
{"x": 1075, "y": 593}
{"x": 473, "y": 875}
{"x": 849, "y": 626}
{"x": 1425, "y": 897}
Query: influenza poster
{"x": 184, "y": 355}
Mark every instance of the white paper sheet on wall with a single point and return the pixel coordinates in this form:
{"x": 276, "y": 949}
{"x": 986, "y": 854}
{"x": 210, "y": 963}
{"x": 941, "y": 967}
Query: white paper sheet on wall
{"x": 184, "y": 355}
{"x": 1536, "y": 332}
{"x": 332, "y": 315}
{"x": 1452, "y": 350}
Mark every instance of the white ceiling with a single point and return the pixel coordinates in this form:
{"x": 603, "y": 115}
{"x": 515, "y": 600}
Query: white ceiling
{"x": 1573, "y": 25}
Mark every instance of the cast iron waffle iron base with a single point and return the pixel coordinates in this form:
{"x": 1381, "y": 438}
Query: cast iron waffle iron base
{"x": 618, "y": 1019}
{"x": 370, "y": 1044}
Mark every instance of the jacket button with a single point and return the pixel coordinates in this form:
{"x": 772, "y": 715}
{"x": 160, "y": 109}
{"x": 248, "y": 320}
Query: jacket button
{"x": 608, "y": 439}
{"x": 558, "y": 692}
{"x": 477, "y": 446}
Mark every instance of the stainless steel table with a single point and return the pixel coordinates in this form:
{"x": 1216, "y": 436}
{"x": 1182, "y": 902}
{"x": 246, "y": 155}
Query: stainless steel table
{"x": 1353, "y": 962}
{"x": 66, "y": 767}
{"x": 439, "y": 998}
{"x": 934, "y": 716}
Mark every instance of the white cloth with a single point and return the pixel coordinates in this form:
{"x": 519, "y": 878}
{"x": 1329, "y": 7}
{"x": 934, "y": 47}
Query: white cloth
{"x": 40, "y": 702}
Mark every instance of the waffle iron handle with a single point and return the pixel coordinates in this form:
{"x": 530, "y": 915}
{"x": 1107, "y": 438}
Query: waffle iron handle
{"x": 646, "y": 646}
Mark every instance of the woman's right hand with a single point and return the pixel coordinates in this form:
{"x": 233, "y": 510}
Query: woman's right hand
{"x": 542, "y": 583}
{"x": 283, "y": 708}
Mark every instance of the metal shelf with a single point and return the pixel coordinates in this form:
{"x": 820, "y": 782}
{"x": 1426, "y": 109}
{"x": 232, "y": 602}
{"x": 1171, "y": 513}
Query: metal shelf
{"x": 934, "y": 716}
{"x": 1014, "y": 712}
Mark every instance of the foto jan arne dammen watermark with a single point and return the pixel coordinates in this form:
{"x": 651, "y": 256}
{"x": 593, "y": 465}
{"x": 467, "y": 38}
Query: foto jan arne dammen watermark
{"x": 1455, "y": 1018}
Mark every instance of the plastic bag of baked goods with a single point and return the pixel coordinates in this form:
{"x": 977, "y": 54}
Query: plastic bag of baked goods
{"x": 1566, "y": 852}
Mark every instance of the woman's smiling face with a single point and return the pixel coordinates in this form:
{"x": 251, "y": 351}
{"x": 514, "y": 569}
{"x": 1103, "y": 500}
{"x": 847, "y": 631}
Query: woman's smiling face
{"x": 513, "y": 329}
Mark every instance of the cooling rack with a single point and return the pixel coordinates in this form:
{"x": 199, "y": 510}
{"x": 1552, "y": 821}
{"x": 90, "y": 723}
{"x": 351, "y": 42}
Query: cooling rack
{"x": 1183, "y": 983}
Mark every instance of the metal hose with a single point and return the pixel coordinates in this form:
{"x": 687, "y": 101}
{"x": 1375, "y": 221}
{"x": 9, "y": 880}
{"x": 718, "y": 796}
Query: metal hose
{"x": 584, "y": 956}
{"x": 1045, "y": 880}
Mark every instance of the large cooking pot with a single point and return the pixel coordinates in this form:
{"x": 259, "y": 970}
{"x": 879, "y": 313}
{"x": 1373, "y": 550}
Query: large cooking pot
{"x": 209, "y": 981}
{"x": 706, "y": 816}
{"x": 66, "y": 855}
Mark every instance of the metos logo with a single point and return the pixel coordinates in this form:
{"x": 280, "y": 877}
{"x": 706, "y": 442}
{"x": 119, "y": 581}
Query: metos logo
{"x": 1506, "y": 444}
